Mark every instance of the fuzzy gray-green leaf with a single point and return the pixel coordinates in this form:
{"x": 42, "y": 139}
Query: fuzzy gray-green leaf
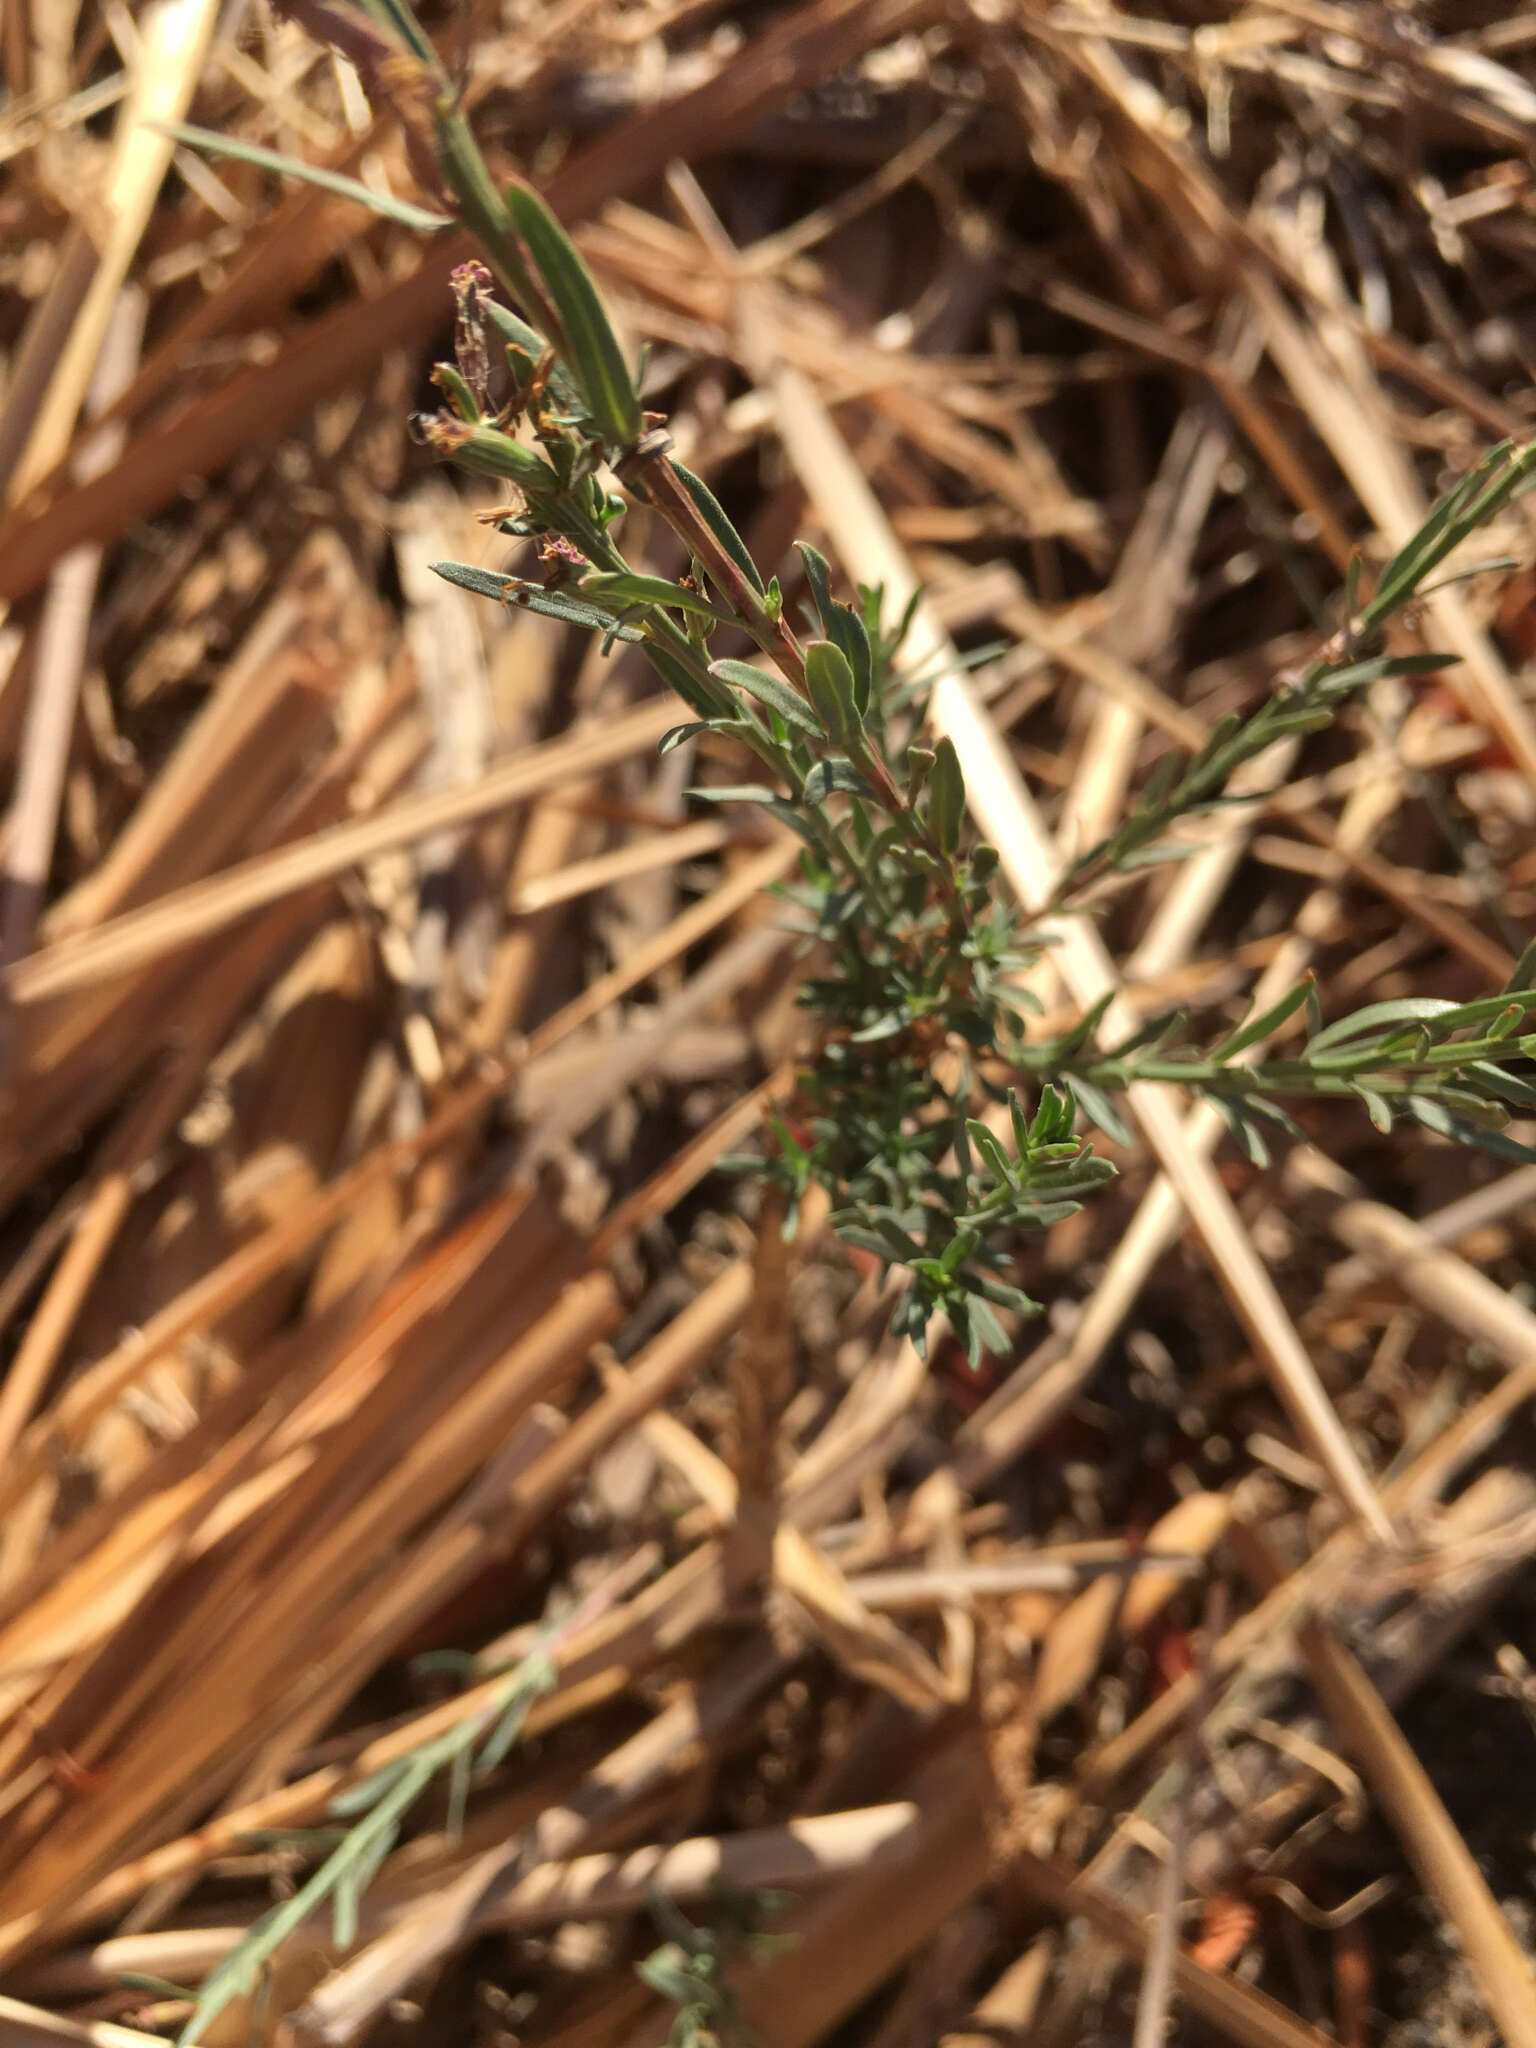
{"x": 533, "y": 597}
{"x": 675, "y": 735}
{"x": 737, "y": 793}
{"x": 772, "y": 691}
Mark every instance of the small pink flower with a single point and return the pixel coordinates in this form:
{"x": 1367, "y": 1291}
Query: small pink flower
{"x": 471, "y": 276}
{"x": 558, "y": 549}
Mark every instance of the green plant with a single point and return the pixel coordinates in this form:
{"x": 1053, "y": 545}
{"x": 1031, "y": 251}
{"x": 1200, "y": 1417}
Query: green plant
{"x": 691, "y": 1967}
{"x": 918, "y": 1020}
{"x": 474, "y": 1745}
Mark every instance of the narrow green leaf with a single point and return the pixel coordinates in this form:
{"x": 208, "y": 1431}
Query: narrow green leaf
{"x": 1503, "y": 474}
{"x": 1225, "y": 729}
{"x": 886, "y": 1025}
{"x": 1472, "y": 570}
{"x": 1272, "y": 1112}
{"x": 818, "y": 575}
{"x": 1500, "y": 1081}
{"x": 1282, "y": 724}
{"x": 1099, "y": 1109}
{"x": 449, "y": 380}
{"x": 516, "y": 332}
{"x": 946, "y": 796}
{"x": 700, "y": 692}
{"x": 1406, "y": 1010}
{"x": 957, "y": 1251}
{"x": 534, "y": 1677}
{"x": 985, "y": 1141}
{"x": 1020, "y": 1124}
{"x": 525, "y": 349}
{"x": 1264, "y": 1025}
{"x": 848, "y": 633}
{"x": 1006, "y": 1296}
{"x": 988, "y": 1332}
{"x": 1399, "y": 576}
{"x": 1024, "y": 1000}
{"x": 1433, "y": 1115}
{"x": 157, "y": 1987}
{"x": 910, "y": 689}
{"x": 861, "y": 1239}
{"x": 352, "y": 1885}
{"x": 592, "y": 350}
{"x": 1436, "y": 1117}
{"x": 1159, "y": 856}
{"x": 367, "y": 1792}
{"x": 829, "y": 685}
{"x": 397, "y": 16}
{"x": 714, "y": 518}
{"x": 623, "y": 588}
{"x": 1455, "y": 1113}
{"x": 1038, "y": 1215}
{"x": 901, "y": 1245}
{"x": 1162, "y": 1029}
{"x": 210, "y": 143}
{"x": 1072, "y": 1040}
{"x": 1358, "y": 673}
{"x": 1498, "y": 1144}
{"x": 1314, "y": 1007}
{"x": 678, "y": 733}
{"x": 1053, "y": 1117}
{"x": 841, "y": 625}
{"x": 483, "y": 211}
{"x": 1377, "y": 1107}
{"x": 1250, "y": 1139}
{"x": 1482, "y": 1010}
{"x": 798, "y": 824}
{"x": 1159, "y": 782}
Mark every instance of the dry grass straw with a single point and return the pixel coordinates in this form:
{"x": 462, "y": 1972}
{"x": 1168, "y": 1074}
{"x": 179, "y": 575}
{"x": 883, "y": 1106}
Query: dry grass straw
{"x": 375, "y": 1014}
